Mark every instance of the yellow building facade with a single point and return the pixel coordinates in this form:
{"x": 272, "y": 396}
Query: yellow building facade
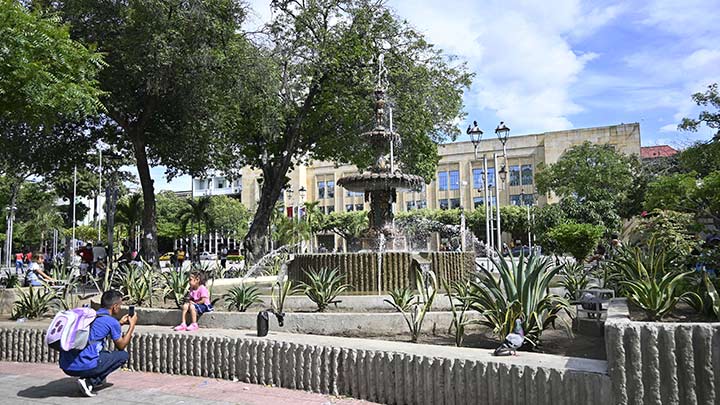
{"x": 458, "y": 181}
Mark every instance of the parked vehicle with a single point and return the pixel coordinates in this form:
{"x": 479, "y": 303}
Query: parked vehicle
{"x": 208, "y": 256}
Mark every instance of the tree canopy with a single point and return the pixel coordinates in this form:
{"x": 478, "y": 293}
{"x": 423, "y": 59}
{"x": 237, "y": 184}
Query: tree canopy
{"x": 711, "y": 97}
{"x": 162, "y": 59}
{"x": 304, "y": 90}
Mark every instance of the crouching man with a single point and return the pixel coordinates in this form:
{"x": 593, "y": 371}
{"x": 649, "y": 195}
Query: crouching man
{"x": 94, "y": 363}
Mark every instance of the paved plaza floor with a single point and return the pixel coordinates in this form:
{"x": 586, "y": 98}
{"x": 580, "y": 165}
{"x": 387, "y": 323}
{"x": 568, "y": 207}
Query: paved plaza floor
{"x": 32, "y": 383}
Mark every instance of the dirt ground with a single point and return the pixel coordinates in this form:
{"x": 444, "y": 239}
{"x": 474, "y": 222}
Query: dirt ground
{"x": 558, "y": 341}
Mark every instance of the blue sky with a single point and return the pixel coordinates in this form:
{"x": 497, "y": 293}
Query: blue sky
{"x": 561, "y": 64}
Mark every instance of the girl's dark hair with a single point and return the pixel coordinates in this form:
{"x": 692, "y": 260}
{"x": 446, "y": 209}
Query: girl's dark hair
{"x": 199, "y": 275}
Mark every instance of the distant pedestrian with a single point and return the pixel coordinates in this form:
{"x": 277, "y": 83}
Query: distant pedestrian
{"x": 19, "y": 262}
{"x": 223, "y": 256}
{"x": 93, "y": 364}
{"x": 180, "y": 258}
{"x": 86, "y": 258}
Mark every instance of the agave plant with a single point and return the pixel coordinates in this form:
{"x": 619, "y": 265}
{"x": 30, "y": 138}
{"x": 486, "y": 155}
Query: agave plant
{"x": 242, "y": 297}
{"x": 402, "y": 297}
{"x": 651, "y": 280}
{"x": 279, "y": 292}
{"x": 459, "y": 295}
{"x": 324, "y": 286}
{"x": 520, "y": 293}
{"x": 574, "y": 280}
{"x": 177, "y": 284}
{"x": 138, "y": 283}
{"x": 414, "y": 313}
{"x": 10, "y": 281}
{"x": 34, "y": 303}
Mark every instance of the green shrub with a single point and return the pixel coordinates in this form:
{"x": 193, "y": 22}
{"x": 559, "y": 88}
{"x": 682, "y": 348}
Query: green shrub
{"x": 138, "y": 284}
{"x": 414, "y": 313}
{"x": 235, "y": 258}
{"x": 521, "y": 293}
{"x": 324, "y": 286}
{"x": 33, "y": 304}
{"x": 579, "y": 240}
{"x": 241, "y": 297}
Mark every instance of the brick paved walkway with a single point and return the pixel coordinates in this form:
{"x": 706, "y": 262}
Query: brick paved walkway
{"x": 29, "y": 383}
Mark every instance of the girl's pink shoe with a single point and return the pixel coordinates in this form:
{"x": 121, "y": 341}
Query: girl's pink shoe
{"x": 192, "y": 327}
{"x": 181, "y": 327}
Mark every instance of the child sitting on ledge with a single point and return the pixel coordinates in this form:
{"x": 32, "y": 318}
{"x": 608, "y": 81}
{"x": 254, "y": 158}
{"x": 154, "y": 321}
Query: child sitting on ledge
{"x": 198, "y": 302}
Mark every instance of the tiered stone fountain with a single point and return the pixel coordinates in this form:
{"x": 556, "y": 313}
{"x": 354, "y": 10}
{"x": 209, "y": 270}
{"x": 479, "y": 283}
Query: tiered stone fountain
{"x": 380, "y": 183}
{"x": 385, "y": 262}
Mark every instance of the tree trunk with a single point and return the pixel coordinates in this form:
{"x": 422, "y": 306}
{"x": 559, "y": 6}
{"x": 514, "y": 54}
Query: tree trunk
{"x": 149, "y": 221}
{"x": 272, "y": 186}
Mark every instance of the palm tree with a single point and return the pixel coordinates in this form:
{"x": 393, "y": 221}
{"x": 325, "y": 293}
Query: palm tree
{"x": 196, "y": 212}
{"x": 313, "y": 217}
{"x": 45, "y": 219}
{"x": 128, "y": 212}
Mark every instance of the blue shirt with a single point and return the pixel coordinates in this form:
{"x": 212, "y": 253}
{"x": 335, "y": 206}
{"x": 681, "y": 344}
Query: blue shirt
{"x": 87, "y": 358}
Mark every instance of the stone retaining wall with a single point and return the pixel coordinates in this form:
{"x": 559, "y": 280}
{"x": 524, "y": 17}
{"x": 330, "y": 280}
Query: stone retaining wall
{"x": 662, "y": 362}
{"x": 361, "y": 269}
{"x": 334, "y": 324}
{"x": 386, "y": 372}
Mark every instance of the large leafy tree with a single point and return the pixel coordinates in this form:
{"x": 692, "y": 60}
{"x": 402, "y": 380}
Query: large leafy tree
{"x": 228, "y": 216}
{"x": 162, "y": 58}
{"x": 595, "y": 173}
{"x": 349, "y": 225}
{"x": 47, "y": 86}
{"x": 307, "y": 93}
{"x": 710, "y": 98}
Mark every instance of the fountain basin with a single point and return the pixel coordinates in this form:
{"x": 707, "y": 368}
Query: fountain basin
{"x": 381, "y": 182}
{"x": 397, "y": 268}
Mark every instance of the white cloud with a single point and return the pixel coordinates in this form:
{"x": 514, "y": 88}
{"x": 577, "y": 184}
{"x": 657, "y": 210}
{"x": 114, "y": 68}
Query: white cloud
{"x": 521, "y": 53}
{"x": 669, "y": 128}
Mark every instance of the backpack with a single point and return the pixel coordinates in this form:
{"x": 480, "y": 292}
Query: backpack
{"x": 69, "y": 330}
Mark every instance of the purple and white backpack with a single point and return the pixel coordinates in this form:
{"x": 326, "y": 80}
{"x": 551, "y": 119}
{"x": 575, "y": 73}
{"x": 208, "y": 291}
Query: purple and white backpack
{"x": 69, "y": 330}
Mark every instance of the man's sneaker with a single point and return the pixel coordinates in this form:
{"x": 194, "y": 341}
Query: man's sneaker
{"x": 181, "y": 327}
{"x": 192, "y": 327}
{"x": 85, "y": 388}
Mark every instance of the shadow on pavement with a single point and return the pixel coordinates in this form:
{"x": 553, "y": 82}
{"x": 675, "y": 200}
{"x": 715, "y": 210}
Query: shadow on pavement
{"x": 64, "y": 387}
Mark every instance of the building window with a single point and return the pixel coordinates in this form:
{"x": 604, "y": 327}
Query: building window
{"x": 515, "y": 199}
{"x": 527, "y": 175}
{"x": 478, "y": 202}
{"x": 442, "y": 181}
{"x": 355, "y": 193}
{"x": 528, "y": 199}
{"x": 321, "y": 189}
{"x": 443, "y": 204}
{"x": 514, "y": 175}
{"x": 420, "y": 204}
{"x": 330, "y": 189}
{"x": 349, "y": 207}
{"x": 410, "y": 205}
{"x": 359, "y": 207}
{"x": 329, "y": 209}
{"x": 477, "y": 179}
{"x": 454, "y": 180}
{"x": 454, "y": 203}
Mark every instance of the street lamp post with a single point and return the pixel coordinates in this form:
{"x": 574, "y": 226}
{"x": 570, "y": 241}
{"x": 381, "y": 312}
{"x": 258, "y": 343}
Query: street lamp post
{"x": 502, "y": 132}
{"x": 475, "y": 136}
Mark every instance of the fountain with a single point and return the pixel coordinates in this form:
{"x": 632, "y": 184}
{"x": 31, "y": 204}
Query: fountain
{"x": 385, "y": 262}
{"x": 381, "y": 181}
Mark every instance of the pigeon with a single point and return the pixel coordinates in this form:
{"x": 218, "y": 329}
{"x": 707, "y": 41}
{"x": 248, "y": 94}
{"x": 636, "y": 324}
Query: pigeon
{"x": 512, "y": 342}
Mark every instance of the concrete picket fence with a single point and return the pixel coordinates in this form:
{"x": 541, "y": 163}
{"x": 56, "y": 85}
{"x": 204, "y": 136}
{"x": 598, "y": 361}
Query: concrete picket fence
{"x": 386, "y": 372}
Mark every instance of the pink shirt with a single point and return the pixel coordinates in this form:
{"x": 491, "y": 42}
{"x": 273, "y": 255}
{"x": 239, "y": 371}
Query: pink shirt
{"x": 201, "y": 295}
